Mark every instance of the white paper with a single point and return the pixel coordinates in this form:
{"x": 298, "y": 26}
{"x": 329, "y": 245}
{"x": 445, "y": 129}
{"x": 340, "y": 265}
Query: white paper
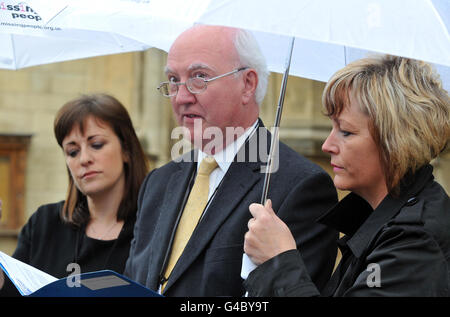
{"x": 26, "y": 278}
{"x": 247, "y": 266}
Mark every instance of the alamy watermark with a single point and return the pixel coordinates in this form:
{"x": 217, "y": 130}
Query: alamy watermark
{"x": 74, "y": 278}
{"x": 374, "y": 277}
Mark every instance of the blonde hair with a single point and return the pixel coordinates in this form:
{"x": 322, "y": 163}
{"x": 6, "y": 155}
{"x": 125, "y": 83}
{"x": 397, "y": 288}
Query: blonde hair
{"x": 408, "y": 109}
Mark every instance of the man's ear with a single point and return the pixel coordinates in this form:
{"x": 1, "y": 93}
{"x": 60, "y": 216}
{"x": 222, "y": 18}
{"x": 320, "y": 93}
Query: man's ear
{"x": 250, "y": 78}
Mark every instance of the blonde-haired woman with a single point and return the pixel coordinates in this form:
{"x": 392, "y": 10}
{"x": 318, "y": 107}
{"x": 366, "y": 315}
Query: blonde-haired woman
{"x": 390, "y": 118}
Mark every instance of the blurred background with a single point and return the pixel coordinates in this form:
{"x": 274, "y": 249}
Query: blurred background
{"x": 32, "y": 166}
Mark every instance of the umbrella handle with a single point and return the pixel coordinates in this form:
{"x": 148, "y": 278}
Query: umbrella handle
{"x": 274, "y": 141}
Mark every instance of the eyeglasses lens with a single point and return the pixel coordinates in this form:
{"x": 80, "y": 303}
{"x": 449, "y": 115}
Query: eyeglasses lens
{"x": 196, "y": 85}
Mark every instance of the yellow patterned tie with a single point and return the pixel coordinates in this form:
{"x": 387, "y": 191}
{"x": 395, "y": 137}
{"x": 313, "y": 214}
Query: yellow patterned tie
{"x": 192, "y": 212}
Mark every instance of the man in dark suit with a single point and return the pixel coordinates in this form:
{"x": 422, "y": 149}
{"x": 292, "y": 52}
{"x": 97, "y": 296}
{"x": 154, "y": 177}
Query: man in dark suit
{"x": 216, "y": 80}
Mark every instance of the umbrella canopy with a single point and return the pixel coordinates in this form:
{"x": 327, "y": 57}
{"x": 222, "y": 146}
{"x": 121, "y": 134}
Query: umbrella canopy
{"x": 328, "y": 34}
{"x": 155, "y": 22}
{"x": 26, "y": 41}
{"x": 19, "y": 51}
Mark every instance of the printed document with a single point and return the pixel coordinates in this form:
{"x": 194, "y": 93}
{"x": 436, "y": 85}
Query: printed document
{"x": 26, "y": 278}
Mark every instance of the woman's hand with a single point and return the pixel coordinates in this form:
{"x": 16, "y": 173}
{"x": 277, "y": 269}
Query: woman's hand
{"x": 267, "y": 234}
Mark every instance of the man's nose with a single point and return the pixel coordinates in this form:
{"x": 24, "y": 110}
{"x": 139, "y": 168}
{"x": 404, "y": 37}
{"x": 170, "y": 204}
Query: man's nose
{"x": 184, "y": 96}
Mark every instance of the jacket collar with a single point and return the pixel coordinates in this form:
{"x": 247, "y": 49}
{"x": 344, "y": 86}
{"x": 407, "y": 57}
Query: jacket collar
{"x": 354, "y": 217}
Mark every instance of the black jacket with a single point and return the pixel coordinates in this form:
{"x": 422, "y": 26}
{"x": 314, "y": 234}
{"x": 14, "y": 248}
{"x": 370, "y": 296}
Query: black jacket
{"x": 400, "y": 249}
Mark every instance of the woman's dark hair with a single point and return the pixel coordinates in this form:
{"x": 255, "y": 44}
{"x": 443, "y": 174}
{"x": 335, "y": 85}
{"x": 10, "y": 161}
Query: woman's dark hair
{"x": 108, "y": 110}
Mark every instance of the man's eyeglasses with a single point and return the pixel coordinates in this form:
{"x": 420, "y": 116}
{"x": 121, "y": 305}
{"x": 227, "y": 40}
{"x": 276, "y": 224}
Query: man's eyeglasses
{"x": 195, "y": 85}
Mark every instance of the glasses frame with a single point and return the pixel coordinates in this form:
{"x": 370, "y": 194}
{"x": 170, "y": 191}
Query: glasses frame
{"x": 187, "y": 83}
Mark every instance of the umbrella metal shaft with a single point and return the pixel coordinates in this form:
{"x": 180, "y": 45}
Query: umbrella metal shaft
{"x": 274, "y": 141}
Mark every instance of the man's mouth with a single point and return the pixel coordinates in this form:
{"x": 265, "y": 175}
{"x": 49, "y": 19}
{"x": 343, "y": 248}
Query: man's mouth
{"x": 191, "y": 117}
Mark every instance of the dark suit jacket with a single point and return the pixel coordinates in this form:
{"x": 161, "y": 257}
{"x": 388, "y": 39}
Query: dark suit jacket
{"x": 211, "y": 262}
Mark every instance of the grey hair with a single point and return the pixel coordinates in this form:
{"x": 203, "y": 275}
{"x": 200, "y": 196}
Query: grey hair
{"x": 250, "y": 55}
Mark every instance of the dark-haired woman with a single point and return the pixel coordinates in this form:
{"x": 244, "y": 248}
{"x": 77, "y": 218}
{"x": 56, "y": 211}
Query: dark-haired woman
{"x": 106, "y": 165}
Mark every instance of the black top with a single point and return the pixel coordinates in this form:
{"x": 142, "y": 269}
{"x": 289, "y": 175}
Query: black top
{"x": 402, "y": 248}
{"x": 49, "y": 244}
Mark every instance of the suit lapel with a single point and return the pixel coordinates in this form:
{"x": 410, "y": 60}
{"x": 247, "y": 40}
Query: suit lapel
{"x": 176, "y": 189}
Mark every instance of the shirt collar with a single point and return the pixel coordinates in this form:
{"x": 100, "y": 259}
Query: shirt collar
{"x": 226, "y": 157}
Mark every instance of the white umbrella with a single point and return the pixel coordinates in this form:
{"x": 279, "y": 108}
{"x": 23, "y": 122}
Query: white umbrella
{"x": 25, "y": 40}
{"x": 328, "y": 34}
{"x": 155, "y": 22}
{"x": 19, "y": 51}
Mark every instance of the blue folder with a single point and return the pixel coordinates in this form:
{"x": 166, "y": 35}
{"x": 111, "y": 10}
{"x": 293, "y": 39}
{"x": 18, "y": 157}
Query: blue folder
{"x": 103, "y": 283}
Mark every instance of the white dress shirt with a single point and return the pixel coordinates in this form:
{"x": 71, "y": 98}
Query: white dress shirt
{"x": 224, "y": 160}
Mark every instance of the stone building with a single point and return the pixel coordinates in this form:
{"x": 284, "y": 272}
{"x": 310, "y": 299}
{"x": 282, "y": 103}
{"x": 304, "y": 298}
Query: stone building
{"x": 32, "y": 167}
